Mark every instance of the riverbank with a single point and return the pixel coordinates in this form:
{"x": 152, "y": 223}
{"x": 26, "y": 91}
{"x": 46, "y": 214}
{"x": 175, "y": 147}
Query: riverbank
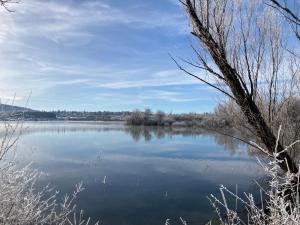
{"x": 204, "y": 120}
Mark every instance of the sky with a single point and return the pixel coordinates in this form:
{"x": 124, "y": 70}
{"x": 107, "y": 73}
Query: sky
{"x": 99, "y": 55}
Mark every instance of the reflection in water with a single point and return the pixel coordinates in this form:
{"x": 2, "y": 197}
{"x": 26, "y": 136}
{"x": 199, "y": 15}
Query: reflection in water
{"x": 138, "y": 132}
{"x": 138, "y": 175}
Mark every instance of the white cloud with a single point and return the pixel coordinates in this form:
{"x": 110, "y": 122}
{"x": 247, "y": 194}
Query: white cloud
{"x": 171, "y": 96}
{"x": 28, "y": 63}
{"x": 70, "y": 21}
{"x": 152, "y": 79}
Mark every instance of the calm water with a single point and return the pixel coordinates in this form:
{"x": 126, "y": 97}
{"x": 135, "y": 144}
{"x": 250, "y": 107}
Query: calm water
{"x": 151, "y": 174}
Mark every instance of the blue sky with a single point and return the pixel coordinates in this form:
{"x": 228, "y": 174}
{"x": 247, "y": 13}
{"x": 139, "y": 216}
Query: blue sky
{"x": 99, "y": 55}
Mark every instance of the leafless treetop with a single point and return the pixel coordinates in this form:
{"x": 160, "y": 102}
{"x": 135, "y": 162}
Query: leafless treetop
{"x": 6, "y": 3}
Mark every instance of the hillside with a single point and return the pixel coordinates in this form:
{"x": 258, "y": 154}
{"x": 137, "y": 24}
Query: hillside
{"x": 12, "y": 109}
{"x": 11, "y": 112}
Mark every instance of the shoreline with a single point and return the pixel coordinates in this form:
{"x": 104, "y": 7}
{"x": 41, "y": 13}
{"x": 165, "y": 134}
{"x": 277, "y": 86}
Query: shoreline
{"x": 174, "y": 125}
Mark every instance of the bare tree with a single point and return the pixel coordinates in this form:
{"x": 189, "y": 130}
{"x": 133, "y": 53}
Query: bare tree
{"x": 147, "y": 116}
{"x": 6, "y": 3}
{"x": 241, "y": 49}
{"x": 289, "y": 10}
{"x": 160, "y": 116}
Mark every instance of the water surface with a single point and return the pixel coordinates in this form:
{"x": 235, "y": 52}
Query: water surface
{"x": 150, "y": 174}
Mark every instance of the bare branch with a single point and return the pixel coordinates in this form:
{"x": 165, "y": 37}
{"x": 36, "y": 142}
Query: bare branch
{"x": 5, "y": 3}
{"x": 243, "y": 48}
{"x": 202, "y": 80}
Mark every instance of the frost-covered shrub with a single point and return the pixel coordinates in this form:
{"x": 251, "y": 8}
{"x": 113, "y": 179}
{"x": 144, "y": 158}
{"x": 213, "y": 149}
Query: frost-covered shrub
{"x": 21, "y": 203}
{"x": 279, "y": 203}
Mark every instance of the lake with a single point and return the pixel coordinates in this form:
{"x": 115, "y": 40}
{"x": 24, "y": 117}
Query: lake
{"x": 137, "y": 175}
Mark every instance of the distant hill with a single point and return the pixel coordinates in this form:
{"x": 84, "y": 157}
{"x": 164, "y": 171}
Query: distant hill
{"x": 11, "y": 109}
{"x": 11, "y": 112}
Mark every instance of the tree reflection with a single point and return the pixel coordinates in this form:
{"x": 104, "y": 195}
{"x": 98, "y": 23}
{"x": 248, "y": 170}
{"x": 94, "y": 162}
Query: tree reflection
{"x": 148, "y": 132}
{"x": 227, "y": 138}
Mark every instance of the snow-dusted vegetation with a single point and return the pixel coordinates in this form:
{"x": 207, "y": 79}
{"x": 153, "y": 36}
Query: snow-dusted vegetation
{"x": 246, "y": 53}
{"x": 274, "y": 207}
{"x": 21, "y": 203}
{"x": 239, "y": 44}
{"x": 275, "y": 204}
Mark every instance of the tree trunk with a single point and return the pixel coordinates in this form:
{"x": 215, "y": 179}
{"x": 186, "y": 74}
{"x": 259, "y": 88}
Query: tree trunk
{"x": 240, "y": 91}
{"x": 255, "y": 118}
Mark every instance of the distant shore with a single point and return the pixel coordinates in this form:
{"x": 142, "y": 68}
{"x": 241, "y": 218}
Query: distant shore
{"x": 136, "y": 117}
{"x": 204, "y": 120}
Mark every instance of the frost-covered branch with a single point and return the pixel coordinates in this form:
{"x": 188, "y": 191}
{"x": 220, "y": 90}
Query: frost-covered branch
{"x": 277, "y": 205}
{"x": 21, "y": 202}
{"x": 5, "y": 4}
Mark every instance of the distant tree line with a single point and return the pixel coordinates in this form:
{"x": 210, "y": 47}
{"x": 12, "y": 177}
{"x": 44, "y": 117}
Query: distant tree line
{"x": 160, "y": 118}
{"x": 137, "y": 117}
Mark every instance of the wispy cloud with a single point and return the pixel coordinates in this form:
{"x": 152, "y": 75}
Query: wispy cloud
{"x": 172, "y": 96}
{"x": 94, "y": 51}
{"x": 73, "y": 21}
{"x": 151, "y": 78}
